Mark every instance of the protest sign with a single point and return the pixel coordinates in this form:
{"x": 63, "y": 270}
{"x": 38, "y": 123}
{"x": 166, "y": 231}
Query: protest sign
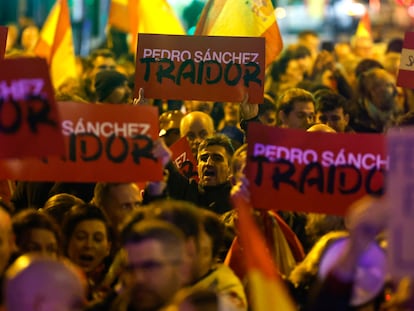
{"x": 183, "y": 158}
{"x": 200, "y": 67}
{"x": 3, "y": 40}
{"x": 29, "y": 120}
{"x": 104, "y": 142}
{"x": 400, "y": 183}
{"x": 405, "y": 76}
{"x": 313, "y": 171}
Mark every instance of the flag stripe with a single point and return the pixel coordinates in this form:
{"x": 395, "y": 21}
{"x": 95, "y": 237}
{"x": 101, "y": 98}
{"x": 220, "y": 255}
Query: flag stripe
{"x": 248, "y": 18}
{"x": 265, "y": 286}
{"x": 56, "y": 44}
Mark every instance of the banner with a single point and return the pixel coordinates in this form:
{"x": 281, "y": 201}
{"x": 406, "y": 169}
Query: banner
{"x": 104, "y": 142}
{"x": 3, "y": 40}
{"x": 405, "y": 76}
{"x": 313, "y": 171}
{"x": 200, "y": 67}
{"x": 400, "y": 183}
{"x": 184, "y": 159}
{"x": 29, "y": 120}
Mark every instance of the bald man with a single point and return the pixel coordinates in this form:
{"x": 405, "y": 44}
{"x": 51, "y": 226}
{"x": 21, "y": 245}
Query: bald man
{"x": 196, "y": 126}
{"x": 34, "y": 282}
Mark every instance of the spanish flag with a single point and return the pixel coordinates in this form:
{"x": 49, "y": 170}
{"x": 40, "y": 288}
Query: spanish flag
{"x": 246, "y": 18}
{"x": 56, "y": 44}
{"x": 144, "y": 16}
{"x": 266, "y": 290}
{"x": 364, "y": 27}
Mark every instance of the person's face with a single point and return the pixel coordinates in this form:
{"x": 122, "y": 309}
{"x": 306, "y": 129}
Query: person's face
{"x": 294, "y": 73}
{"x": 30, "y": 36}
{"x": 231, "y": 111}
{"x": 120, "y": 95}
{"x": 383, "y": 92}
{"x": 6, "y": 241}
{"x": 301, "y": 117}
{"x": 335, "y": 119}
{"x": 213, "y": 166}
{"x": 363, "y": 48}
{"x": 102, "y": 63}
{"x": 196, "y": 130}
{"x": 123, "y": 198}
{"x": 268, "y": 118}
{"x": 312, "y": 43}
{"x": 41, "y": 241}
{"x": 89, "y": 245}
{"x": 152, "y": 276}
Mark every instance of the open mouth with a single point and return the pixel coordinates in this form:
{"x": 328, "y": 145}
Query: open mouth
{"x": 209, "y": 173}
{"x": 86, "y": 259}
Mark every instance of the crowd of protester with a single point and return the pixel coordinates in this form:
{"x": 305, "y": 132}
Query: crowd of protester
{"x": 173, "y": 245}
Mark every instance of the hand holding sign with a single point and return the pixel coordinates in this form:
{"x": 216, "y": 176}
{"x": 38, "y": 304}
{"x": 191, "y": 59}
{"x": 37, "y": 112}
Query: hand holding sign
{"x": 247, "y": 110}
{"x": 140, "y": 100}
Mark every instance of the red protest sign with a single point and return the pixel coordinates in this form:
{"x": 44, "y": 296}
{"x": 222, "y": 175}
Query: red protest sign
{"x": 313, "y": 171}
{"x": 29, "y": 120}
{"x": 184, "y": 159}
{"x": 3, "y": 40}
{"x": 200, "y": 67}
{"x": 103, "y": 143}
{"x": 406, "y": 71}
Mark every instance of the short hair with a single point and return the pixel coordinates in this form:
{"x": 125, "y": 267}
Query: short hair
{"x": 166, "y": 233}
{"x": 327, "y": 100}
{"x": 183, "y": 214}
{"x": 83, "y": 212}
{"x": 218, "y": 140}
{"x": 305, "y": 33}
{"x": 102, "y": 192}
{"x": 288, "y": 99}
{"x": 365, "y": 65}
{"x": 59, "y": 204}
{"x": 106, "y": 53}
{"x": 31, "y": 219}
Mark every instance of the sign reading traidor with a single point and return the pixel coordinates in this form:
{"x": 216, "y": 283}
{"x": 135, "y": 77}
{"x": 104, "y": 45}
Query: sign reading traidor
{"x": 313, "y": 171}
{"x": 103, "y": 142}
{"x": 200, "y": 67}
{"x": 29, "y": 120}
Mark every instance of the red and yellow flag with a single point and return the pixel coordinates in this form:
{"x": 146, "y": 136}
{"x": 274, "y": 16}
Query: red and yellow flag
{"x": 242, "y": 18}
{"x": 144, "y": 16}
{"x": 56, "y": 44}
{"x": 364, "y": 26}
{"x": 266, "y": 289}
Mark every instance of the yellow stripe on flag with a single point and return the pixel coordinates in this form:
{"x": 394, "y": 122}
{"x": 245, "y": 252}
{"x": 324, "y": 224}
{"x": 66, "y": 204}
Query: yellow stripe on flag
{"x": 144, "y": 16}
{"x": 364, "y": 26}
{"x": 56, "y": 44}
{"x": 266, "y": 289}
{"x": 247, "y": 18}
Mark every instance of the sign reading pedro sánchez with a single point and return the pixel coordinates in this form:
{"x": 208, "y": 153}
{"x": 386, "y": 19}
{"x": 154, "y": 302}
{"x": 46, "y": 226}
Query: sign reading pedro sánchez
{"x": 104, "y": 142}
{"x": 313, "y": 171}
{"x": 200, "y": 67}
